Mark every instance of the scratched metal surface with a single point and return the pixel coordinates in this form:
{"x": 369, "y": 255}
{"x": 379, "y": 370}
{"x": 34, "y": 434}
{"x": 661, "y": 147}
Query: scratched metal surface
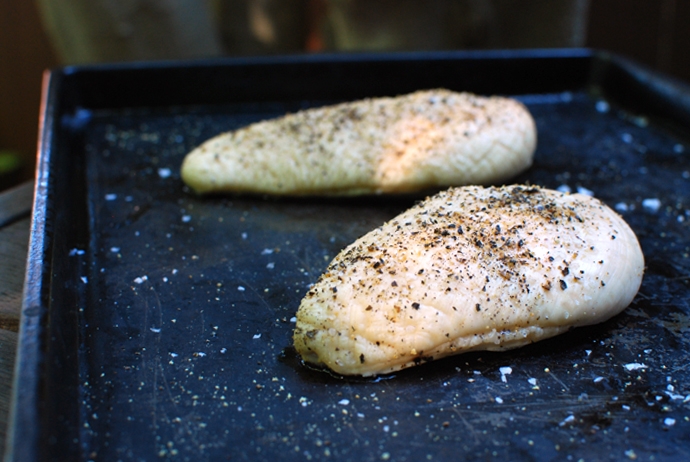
{"x": 186, "y": 329}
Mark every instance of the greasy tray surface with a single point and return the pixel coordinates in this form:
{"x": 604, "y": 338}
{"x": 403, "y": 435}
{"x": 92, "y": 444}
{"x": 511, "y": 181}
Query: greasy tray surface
{"x": 186, "y": 305}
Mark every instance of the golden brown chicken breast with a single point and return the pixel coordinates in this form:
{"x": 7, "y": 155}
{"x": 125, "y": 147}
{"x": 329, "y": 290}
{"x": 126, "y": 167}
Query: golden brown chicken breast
{"x": 470, "y": 268}
{"x": 381, "y": 145}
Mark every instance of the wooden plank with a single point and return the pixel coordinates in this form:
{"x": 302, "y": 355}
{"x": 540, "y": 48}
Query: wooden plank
{"x": 8, "y": 347}
{"x": 14, "y": 243}
{"x": 16, "y": 203}
{"x": 15, "y": 222}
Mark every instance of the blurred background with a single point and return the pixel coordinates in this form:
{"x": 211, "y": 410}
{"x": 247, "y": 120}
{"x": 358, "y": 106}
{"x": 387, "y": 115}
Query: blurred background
{"x": 40, "y": 34}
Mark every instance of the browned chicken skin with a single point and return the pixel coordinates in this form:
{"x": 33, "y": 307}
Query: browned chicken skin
{"x": 426, "y": 139}
{"x": 471, "y": 268}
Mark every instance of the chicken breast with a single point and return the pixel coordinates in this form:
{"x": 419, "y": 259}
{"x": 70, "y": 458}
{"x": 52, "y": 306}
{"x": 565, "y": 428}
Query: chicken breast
{"x": 381, "y": 145}
{"x": 470, "y": 268}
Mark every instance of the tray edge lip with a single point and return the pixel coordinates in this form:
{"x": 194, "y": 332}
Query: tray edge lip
{"x": 22, "y": 439}
{"x": 334, "y": 57}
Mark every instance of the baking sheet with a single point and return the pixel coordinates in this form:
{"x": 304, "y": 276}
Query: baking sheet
{"x": 169, "y": 317}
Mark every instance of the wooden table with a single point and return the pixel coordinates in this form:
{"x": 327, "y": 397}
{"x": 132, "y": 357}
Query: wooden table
{"x": 15, "y": 220}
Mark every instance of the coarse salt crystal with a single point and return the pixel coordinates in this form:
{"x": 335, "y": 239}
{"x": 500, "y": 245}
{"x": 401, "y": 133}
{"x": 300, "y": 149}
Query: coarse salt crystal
{"x": 344, "y": 402}
{"x": 651, "y": 204}
{"x": 567, "y": 420}
{"x": 110, "y": 197}
{"x": 602, "y": 106}
{"x": 241, "y": 288}
{"x": 164, "y": 172}
{"x": 506, "y": 370}
{"x": 669, "y": 421}
{"x": 155, "y": 330}
{"x": 564, "y": 188}
{"x": 141, "y": 280}
{"x": 267, "y": 252}
{"x": 499, "y": 400}
{"x": 674, "y": 396}
{"x": 186, "y": 218}
{"x": 256, "y": 336}
{"x": 635, "y": 366}
{"x": 584, "y": 191}
{"x": 622, "y": 207}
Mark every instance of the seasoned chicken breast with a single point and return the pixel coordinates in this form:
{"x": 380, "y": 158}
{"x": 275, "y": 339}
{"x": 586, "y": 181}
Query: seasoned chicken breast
{"x": 470, "y": 268}
{"x": 381, "y": 145}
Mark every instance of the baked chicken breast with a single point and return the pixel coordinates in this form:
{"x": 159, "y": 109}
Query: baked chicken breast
{"x": 434, "y": 138}
{"x": 470, "y": 268}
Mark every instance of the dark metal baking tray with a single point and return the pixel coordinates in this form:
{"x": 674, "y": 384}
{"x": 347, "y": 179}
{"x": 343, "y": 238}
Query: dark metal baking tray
{"x": 157, "y": 324}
